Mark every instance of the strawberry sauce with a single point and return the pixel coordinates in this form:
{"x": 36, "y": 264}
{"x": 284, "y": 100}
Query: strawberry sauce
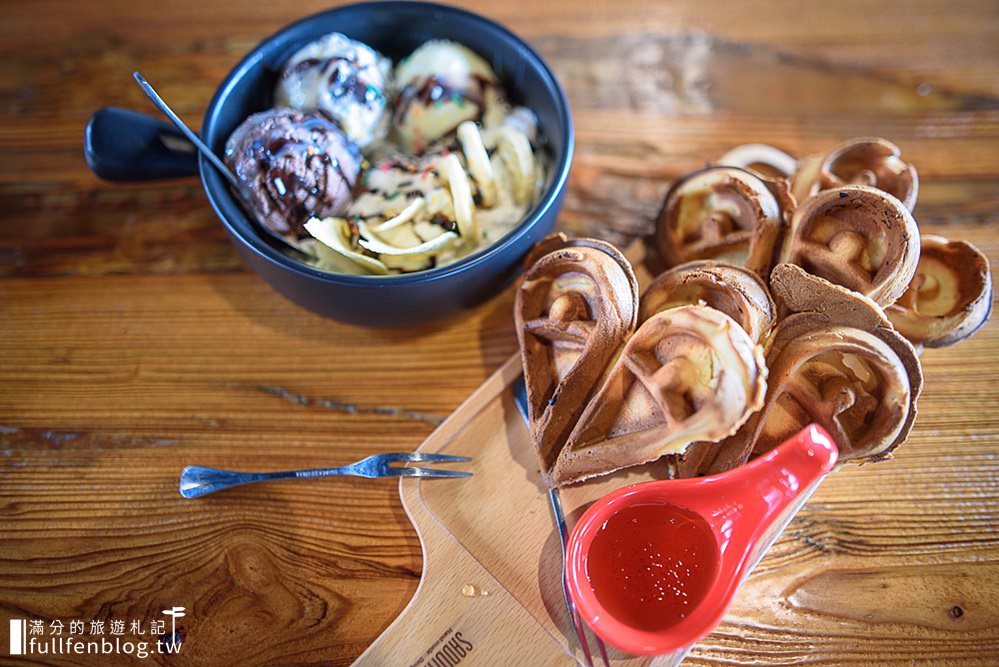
{"x": 650, "y": 565}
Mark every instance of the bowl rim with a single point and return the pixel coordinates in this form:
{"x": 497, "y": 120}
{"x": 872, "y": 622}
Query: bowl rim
{"x": 224, "y": 204}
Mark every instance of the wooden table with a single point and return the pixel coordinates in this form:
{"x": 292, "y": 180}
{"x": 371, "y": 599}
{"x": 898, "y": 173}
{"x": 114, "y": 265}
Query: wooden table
{"x": 133, "y": 341}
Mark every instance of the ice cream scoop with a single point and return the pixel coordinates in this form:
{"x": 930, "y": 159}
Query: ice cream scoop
{"x": 295, "y": 165}
{"x": 440, "y": 85}
{"x": 343, "y": 78}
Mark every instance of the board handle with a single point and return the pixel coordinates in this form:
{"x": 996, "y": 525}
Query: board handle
{"x": 459, "y": 611}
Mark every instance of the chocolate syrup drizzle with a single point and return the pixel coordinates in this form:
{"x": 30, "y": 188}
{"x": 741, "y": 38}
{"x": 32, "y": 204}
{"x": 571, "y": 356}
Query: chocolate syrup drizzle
{"x": 293, "y": 188}
{"x": 435, "y": 89}
{"x": 341, "y": 80}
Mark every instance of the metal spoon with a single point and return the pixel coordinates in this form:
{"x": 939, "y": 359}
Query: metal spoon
{"x": 203, "y": 148}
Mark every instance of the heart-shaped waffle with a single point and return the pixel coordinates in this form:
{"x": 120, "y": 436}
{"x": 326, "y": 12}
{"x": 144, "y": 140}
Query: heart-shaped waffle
{"x": 858, "y": 237}
{"x": 575, "y": 308}
{"x": 688, "y": 374}
{"x": 948, "y": 299}
{"x": 735, "y": 291}
{"x": 575, "y": 311}
{"x": 835, "y": 360}
{"x": 724, "y": 213}
{"x": 862, "y": 161}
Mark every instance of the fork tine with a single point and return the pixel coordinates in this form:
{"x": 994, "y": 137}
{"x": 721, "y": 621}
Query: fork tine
{"x": 425, "y": 472}
{"x": 440, "y": 458}
{"x": 419, "y": 457}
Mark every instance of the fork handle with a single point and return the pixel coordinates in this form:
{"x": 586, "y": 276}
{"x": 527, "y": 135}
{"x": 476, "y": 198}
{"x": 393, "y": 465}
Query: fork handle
{"x": 197, "y": 481}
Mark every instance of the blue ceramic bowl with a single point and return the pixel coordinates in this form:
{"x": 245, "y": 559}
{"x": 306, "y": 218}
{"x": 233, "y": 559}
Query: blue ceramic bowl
{"x": 395, "y": 29}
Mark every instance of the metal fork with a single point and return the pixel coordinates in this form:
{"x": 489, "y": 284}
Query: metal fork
{"x": 196, "y": 481}
{"x": 558, "y": 515}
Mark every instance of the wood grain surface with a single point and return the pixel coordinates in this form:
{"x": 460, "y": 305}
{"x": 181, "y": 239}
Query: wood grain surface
{"x": 133, "y": 340}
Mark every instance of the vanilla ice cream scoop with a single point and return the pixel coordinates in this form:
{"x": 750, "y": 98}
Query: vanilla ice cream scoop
{"x": 344, "y": 79}
{"x": 441, "y": 85}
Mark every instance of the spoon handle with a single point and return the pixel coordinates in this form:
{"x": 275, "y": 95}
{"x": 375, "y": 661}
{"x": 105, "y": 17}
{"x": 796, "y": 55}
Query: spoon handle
{"x": 126, "y": 146}
{"x": 188, "y": 132}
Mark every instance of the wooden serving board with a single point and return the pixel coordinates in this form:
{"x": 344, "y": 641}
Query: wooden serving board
{"x": 491, "y": 585}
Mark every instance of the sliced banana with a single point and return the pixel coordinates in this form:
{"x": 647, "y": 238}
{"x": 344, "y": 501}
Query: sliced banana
{"x": 420, "y": 211}
{"x": 478, "y": 161}
{"x": 461, "y": 195}
{"x": 370, "y": 241}
{"x": 335, "y": 233}
{"x": 515, "y": 151}
{"x": 404, "y": 216}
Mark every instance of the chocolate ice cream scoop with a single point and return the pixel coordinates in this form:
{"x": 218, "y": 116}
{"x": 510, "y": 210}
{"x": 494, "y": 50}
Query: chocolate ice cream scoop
{"x": 295, "y": 165}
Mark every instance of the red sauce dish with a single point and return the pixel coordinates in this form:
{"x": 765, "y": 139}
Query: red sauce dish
{"x": 653, "y": 567}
